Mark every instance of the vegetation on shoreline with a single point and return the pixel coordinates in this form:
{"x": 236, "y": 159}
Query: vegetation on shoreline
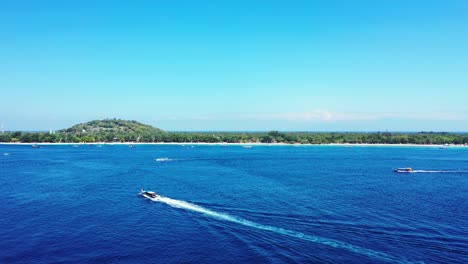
{"x": 116, "y": 130}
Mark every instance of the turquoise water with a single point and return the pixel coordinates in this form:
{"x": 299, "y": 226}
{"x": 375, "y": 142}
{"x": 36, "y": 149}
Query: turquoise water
{"x": 279, "y": 204}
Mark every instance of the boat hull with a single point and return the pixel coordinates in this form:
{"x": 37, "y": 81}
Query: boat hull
{"x": 147, "y": 196}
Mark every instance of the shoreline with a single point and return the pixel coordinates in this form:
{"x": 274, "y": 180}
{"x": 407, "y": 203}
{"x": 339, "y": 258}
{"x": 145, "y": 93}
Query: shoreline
{"x": 236, "y": 144}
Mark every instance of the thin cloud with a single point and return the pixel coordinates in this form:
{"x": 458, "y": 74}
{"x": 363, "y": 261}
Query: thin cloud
{"x": 321, "y": 115}
{"x": 328, "y": 116}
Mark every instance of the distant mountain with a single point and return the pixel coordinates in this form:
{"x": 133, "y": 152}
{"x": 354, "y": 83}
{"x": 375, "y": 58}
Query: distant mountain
{"x": 111, "y": 126}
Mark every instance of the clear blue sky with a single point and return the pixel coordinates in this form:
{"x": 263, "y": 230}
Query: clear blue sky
{"x": 236, "y": 65}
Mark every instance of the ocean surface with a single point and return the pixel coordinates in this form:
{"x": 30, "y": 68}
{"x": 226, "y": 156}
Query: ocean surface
{"x": 230, "y": 204}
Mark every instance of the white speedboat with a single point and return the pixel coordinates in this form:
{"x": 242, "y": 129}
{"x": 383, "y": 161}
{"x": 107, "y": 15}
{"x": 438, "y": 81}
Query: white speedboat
{"x": 149, "y": 194}
{"x": 404, "y": 170}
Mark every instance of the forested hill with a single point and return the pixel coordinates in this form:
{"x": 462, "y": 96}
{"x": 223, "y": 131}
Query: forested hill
{"x": 111, "y": 126}
{"x": 107, "y": 130}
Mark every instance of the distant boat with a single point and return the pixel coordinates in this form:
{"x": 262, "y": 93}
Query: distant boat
{"x": 247, "y": 146}
{"x": 149, "y": 194}
{"x": 404, "y": 170}
{"x": 35, "y": 146}
{"x": 131, "y": 146}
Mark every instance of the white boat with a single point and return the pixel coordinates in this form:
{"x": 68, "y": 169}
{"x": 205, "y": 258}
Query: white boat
{"x": 149, "y": 194}
{"x": 404, "y": 170}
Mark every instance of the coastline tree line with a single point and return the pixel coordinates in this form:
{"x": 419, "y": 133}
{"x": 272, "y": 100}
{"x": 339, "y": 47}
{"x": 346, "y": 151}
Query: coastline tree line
{"x": 116, "y": 130}
{"x": 244, "y": 137}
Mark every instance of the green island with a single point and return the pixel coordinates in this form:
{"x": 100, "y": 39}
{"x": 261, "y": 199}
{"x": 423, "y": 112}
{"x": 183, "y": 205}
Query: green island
{"x": 117, "y": 130}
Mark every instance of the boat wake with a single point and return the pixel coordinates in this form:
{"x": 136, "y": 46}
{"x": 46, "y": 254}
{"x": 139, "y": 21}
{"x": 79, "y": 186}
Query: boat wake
{"x": 163, "y": 159}
{"x": 295, "y": 234}
{"x": 438, "y": 171}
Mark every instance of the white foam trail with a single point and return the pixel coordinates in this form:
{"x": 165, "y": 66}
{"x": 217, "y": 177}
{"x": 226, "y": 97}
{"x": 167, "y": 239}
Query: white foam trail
{"x": 426, "y": 171}
{"x": 162, "y": 159}
{"x": 316, "y": 239}
{"x": 437, "y": 171}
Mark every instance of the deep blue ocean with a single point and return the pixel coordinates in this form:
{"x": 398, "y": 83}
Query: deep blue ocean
{"x": 230, "y": 204}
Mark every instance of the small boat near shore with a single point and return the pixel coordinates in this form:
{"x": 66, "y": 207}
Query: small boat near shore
{"x": 404, "y": 170}
{"x": 149, "y": 194}
{"x": 35, "y": 146}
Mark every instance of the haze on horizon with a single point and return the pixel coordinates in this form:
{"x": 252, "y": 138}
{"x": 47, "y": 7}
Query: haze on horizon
{"x": 240, "y": 65}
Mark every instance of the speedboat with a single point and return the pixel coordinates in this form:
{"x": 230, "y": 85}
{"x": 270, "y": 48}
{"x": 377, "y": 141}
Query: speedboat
{"x": 35, "y": 146}
{"x": 149, "y": 194}
{"x": 404, "y": 170}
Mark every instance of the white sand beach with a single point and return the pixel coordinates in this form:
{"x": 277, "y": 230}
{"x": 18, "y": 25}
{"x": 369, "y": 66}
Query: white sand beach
{"x": 238, "y": 144}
